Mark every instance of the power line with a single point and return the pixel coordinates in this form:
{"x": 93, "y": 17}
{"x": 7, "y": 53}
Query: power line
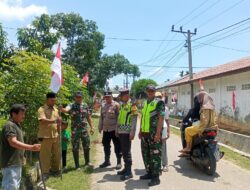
{"x": 221, "y": 13}
{"x": 227, "y": 48}
{"x": 180, "y": 20}
{"x": 145, "y": 40}
{"x": 181, "y": 67}
{"x": 224, "y": 37}
{"x": 175, "y": 54}
{"x": 230, "y": 26}
{"x": 191, "y": 12}
{"x": 162, "y": 54}
{"x": 201, "y": 13}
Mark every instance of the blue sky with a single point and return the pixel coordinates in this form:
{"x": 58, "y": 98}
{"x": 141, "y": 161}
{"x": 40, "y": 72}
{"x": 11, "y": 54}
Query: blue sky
{"x": 148, "y": 19}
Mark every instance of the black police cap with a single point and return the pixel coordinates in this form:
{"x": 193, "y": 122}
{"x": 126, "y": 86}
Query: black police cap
{"x": 150, "y": 87}
{"x": 79, "y": 93}
{"x": 124, "y": 91}
{"x": 107, "y": 93}
{"x": 51, "y": 95}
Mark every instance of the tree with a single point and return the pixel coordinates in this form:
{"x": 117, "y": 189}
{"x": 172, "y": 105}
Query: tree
{"x": 3, "y": 41}
{"x": 138, "y": 87}
{"x": 27, "y": 82}
{"x": 116, "y": 88}
{"x": 84, "y": 44}
{"x": 39, "y": 37}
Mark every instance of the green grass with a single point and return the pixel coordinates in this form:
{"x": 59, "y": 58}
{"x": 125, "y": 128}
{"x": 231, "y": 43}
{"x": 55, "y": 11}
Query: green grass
{"x": 230, "y": 155}
{"x": 236, "y": 158}
{"x": 73, "y": 179}
{"x": 175, "y": 131}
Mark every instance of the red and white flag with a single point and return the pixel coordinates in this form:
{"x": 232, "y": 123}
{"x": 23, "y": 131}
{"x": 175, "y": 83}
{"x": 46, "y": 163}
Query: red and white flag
{"x": 94, "y": 96}
{"x": 56, "y": 67}
{"x": 201, "y": 85}
{"x": 85, "y": 79}
{"x": 233, "y": 100}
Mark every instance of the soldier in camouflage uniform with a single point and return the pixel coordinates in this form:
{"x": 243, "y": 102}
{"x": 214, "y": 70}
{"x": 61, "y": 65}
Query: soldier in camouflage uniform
{"x": 80, "y": 115}
{"x": 150, "y": 134}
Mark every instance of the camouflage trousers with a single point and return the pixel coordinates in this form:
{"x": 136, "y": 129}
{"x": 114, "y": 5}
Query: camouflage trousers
{"x": 151, "y": 154}
{"x": 80, "y": 136}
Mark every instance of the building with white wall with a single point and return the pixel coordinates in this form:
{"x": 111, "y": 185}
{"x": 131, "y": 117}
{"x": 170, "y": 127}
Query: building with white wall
{"x": 220, "y": 82}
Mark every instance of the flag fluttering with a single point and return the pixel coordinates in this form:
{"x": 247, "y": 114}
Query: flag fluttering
{"x": 233, "y": 100}
{"x": 94, "y": 96}
{"x": 56, "y": 67}
{"x": 85, "y": 79}
{"x": 201, "y": 85}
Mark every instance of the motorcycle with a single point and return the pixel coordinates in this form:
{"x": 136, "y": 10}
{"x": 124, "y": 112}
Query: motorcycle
{"x": 205, "y": 151}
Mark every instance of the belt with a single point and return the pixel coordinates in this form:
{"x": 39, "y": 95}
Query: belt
{"x": 145, "y": 135}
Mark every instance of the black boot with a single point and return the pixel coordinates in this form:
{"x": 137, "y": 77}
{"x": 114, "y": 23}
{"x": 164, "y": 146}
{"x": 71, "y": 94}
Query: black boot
{"x": 127, "y": 175}
{"x": 154, "y": 181}
{"x": 106, "y": 163}
{"x": 76, "y": 159}
{"x": 87, "y": 157}
{"x": 146, "y": 176}
{"x": 122, "y": 172}
{"x": 119, "y": 164}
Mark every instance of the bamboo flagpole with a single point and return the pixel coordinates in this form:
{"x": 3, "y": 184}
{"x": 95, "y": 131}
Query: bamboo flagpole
{"x": 55, "y": 85}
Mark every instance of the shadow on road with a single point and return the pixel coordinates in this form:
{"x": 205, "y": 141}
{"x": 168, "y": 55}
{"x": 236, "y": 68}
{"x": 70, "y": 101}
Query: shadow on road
{"x": 136, "y": 184}
{"x": 188, "y": 169}
{"x": 130, "y": 184}
{"x": 140, "y": 172}
{"x": 109, "y": 178}
{"x": 102, "y": 170}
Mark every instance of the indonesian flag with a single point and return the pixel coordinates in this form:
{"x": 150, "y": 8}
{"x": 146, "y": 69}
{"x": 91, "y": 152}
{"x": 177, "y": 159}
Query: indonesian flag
{"x": 56, "y": 67}
{"x": 233, "y": 100}
{"x": 85, "y": 79}
{"x": 94, "y": 96}
{"x": 201, "y": 85}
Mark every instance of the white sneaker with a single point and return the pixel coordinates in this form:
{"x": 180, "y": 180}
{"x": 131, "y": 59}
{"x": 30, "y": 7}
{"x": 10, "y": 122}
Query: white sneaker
{"x": 165, "y": 168}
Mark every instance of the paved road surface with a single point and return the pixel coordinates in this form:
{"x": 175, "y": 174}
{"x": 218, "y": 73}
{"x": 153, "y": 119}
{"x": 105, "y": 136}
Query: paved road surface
{"x": 182, "y": 174}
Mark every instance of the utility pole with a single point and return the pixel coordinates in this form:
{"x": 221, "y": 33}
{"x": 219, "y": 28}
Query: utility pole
{"x": 188, "y": 34}
{"x": 126, "y": 81}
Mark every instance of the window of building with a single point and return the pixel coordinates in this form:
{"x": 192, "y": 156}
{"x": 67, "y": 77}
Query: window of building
{"x": 245, "y": 87}
{"x": 212, "y": 90}
{"x": 231, "y": 88}
{"x": 183, "y": 93}
{"x": 188, "y": 93}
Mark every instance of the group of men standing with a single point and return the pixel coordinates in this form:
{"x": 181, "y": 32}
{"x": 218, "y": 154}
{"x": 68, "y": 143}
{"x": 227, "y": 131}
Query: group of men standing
{"x": 118, "y": 123}
{"x": 49, "y": 121}
{"x": 49, "y": 118}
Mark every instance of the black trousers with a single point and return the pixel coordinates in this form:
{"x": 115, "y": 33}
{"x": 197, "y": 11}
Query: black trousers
{"x": 106, "y": 141}
{"x": 64, "y": 158}
{"x": 126, "y": 150}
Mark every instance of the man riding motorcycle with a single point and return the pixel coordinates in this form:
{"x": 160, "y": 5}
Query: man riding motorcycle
{"x": 207, "y": 119}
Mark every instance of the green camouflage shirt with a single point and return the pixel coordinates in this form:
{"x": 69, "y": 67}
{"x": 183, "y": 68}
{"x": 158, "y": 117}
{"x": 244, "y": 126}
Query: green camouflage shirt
{"x": 79, "y": 113}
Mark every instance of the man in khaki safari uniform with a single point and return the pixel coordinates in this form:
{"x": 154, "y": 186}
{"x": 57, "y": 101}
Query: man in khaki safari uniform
{"x": 49, "y": 120}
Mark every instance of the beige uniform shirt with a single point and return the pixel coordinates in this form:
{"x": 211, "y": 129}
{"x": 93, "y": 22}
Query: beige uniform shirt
{"x": 47, "y": 131}
{"x": 109, "y": 116}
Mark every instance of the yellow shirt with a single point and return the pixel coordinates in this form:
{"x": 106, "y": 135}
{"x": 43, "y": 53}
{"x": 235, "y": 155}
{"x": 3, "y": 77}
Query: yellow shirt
{"x": 50, "y": 130}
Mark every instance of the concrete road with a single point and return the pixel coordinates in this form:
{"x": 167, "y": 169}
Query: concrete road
{"x": 182, "y": 174}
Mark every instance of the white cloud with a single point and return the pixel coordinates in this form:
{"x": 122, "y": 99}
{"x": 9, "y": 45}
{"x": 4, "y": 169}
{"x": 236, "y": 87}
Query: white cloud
{"x": 14, "y": 10}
